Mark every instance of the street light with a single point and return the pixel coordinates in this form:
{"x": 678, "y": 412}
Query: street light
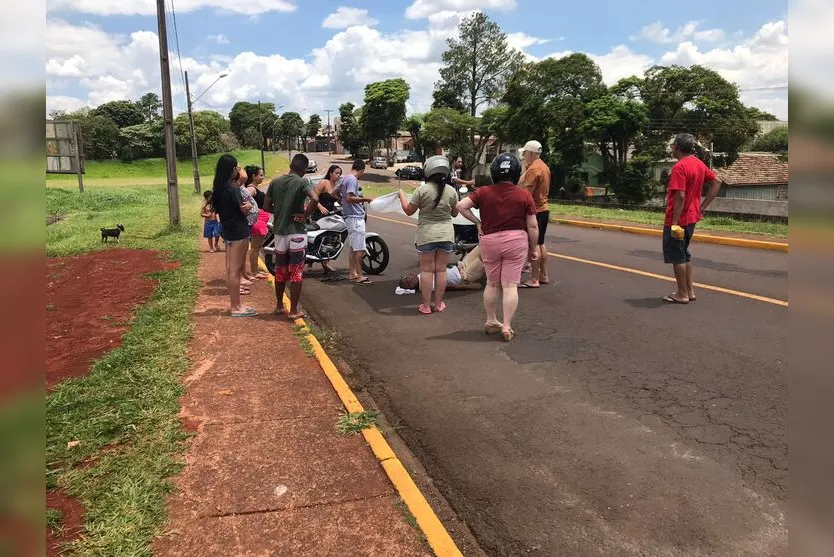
{"x": 190, "y": 102}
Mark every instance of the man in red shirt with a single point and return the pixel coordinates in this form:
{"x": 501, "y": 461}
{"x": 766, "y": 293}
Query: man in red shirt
{"x": 683, "y": 211}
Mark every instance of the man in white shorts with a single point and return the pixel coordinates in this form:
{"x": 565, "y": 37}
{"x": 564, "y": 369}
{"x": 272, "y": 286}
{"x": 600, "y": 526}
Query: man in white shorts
{"x": 353, "y": 209}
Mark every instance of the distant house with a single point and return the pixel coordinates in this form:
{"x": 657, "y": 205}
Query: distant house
{"x": 759, "y": 176}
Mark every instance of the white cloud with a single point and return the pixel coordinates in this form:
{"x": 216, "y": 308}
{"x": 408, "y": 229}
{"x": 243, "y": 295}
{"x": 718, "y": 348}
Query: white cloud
{"x": 63, "y": 103}
{"x": 345, "y": 17}
{"x": 219, "y": 39}
{"x": 756, "y": 63}
{"x": 148, "y": 7}
{"x": 521, "y": 40}
{"x": 658, "y": 33}
{"x": 421, "y": 9}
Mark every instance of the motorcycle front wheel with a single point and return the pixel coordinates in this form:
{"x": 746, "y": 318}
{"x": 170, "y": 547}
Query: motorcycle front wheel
{"x": 376, "y": 255}
{"x": 269, "y": 258}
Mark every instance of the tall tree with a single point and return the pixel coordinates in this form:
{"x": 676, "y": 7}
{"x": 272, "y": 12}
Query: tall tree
{"x": 546, "y": 101}
{"x": 477, "y": 64}
{"x": 245, "y": 116}
{"x": 150, "y": 105}
{"x": 614, "y": 125}
{"x": 311, "y": 129}
{"x": 123, "y": 113}
{"x": 349, "y": 132}
{"x": 444, "y": 97}
{"x": 143, "y": 141}
{"x": 384, "y": 109}
{"x": 697, "y": 100}
{"x": 423, "y": 145}
{"x": 292, "y": 127}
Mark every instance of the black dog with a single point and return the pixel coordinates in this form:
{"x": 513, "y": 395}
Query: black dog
{"x": 112, "y": 233}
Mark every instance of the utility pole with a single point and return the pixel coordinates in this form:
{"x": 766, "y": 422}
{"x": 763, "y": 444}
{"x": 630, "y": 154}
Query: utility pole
{"x": 168, "y": 118}
{"x": 329, "y": 131}
{"x": 194, "y": 161}
{"x": 261, "y": 120}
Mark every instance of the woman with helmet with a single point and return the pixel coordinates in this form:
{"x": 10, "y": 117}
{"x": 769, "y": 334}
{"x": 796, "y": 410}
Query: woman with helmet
{"x": 437, "y": 202}
{"x": 509, "y": 232}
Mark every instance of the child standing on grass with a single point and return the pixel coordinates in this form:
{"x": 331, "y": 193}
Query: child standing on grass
{"x": 211, "y": 227}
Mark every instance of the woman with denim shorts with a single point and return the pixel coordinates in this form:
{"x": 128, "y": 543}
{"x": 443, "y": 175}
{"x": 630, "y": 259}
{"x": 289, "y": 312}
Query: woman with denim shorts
{"x": 437, "y": 202}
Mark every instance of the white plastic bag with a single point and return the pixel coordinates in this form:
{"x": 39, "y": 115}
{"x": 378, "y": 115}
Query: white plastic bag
{"x": 388, "y": 203}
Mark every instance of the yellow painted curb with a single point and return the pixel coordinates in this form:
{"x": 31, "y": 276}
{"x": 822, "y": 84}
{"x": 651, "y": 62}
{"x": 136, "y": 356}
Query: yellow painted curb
{"x": 436, "y": 535}
{"x": 703, "y": 238}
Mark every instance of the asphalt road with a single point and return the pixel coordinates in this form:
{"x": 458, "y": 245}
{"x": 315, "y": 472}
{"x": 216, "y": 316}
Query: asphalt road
{"x": 613, "y": 424}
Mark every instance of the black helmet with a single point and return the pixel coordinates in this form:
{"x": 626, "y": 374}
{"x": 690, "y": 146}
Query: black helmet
{"x": 505, "y": 168}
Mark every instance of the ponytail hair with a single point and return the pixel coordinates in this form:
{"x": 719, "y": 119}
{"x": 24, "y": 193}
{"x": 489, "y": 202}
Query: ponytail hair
{"x": 439, "y": 180}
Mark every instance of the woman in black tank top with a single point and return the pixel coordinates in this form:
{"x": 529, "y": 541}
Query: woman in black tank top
{"x": 324, "y": 189}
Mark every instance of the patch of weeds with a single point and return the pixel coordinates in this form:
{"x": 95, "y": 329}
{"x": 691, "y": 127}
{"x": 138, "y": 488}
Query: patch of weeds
{"x": 328, "y": 337}
{"x": 409, "y": 519}
{"x": 53, "y": 518}
{"x": 50, "y": 307}
{"x": 303, "y": 335}
{"x": 351, "y": 423}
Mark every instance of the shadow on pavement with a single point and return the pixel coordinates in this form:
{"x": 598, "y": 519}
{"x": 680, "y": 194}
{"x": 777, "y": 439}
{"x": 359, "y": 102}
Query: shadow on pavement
{"x": 646, "y": 303}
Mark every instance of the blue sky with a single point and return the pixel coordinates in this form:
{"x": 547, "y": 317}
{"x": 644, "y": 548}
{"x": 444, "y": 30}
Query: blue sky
{"x": 285, "y": 52}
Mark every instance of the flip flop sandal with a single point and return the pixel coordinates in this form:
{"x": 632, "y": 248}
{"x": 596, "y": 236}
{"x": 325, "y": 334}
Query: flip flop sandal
{"x": 294, "y": 316}
{"x": 441, "y": 308}
{"x": 508, "y": 334}
{"x": 247, "y": 312}
{"x": 526, "y": 285}
{"x": 425, "y": 310}
{"x": 671, "y": 300}
{"x": 365, "y": 280}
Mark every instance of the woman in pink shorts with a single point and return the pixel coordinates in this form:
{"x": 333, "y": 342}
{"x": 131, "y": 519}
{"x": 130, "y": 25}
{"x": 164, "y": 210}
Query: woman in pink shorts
{"x": 508, "y": 234}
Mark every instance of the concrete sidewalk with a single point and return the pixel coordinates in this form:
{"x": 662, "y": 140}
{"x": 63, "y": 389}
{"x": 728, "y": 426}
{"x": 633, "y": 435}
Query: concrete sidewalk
{"x": 267, "y": 473}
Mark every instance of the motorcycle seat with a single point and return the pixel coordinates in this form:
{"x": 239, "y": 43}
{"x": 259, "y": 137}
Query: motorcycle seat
{"x": 311, "y": 227}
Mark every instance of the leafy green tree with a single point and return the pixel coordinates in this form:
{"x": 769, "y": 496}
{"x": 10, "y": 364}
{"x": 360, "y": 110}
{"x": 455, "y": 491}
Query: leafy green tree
{"x": 761, "y": 115}
{"x": 100, "y": 136}
{"x": 614, "y": 125}
{"x": 423, "y": 145}
{"x": 313, "y": 126}
{"x": 209, "y": 127}
{"x": 546, "y": 101}
{"x": 150, "y": 105}
{"x": 142, "y": 141}
{"x": 123, "y": 113}
{"x": 697, "y": 100}
{"x": 292, "y": 127}
{"x": 349, "y": 132}
{"x": 774, "y": 141}
{"x": 456, "y": 130}
{"x": 444, "y": 97}
{"x": 384, "y": 109}
{"x": 477, "y": 65}
{"x": 245, "y": 115}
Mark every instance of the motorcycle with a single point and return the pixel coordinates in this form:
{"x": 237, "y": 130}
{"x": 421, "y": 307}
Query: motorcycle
{"x": 466, "y": 233}
{"x": 326, "y": 238}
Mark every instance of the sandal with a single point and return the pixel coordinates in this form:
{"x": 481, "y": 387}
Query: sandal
{"x": 365, "y": 280}
{"x": 670, "y": 299}
{"x": 245, "y": 291}
{"x": 491, "y": 328}
{"x": 440, "y": 308}
{"x": 508, "y": 334}
{"x": 247, "y": 312}
{"x": 296, "y": 315}
{"x": 261, "y": 275}
{"x": 425, "y": 310}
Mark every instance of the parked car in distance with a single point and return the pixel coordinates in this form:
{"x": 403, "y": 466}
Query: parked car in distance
{"x": 312, "y": 166}
{"x": 379, "y": 162}
{"x": 410, "y": 172}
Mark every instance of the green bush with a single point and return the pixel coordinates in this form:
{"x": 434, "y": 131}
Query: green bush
{"x": 774, "y": 141}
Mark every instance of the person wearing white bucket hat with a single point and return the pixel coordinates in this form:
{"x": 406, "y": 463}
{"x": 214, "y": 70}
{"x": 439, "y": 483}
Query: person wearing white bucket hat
{"x": 536, "y": 179}
{"x": 437, "y": 202}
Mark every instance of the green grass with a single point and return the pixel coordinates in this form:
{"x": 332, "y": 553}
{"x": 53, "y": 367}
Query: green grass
{"x": 124, "y": 413}
{"x": 351, "y": 423}
{"x": 114, "y": 172}
{"x": 53, "y": 518}
{"x": 709, "y": 222}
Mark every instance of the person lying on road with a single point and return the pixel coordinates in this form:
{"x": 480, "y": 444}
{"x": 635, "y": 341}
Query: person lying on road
{"x": 466, "y": 275}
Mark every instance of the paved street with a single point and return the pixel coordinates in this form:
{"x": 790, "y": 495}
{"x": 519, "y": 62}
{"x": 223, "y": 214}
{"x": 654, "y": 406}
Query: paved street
{"x": 613, "y": 424}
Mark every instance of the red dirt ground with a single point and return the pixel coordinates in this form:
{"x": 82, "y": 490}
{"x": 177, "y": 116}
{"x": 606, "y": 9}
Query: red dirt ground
{"x": 72, "y": 521}
{"x": 90, "y": 300}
